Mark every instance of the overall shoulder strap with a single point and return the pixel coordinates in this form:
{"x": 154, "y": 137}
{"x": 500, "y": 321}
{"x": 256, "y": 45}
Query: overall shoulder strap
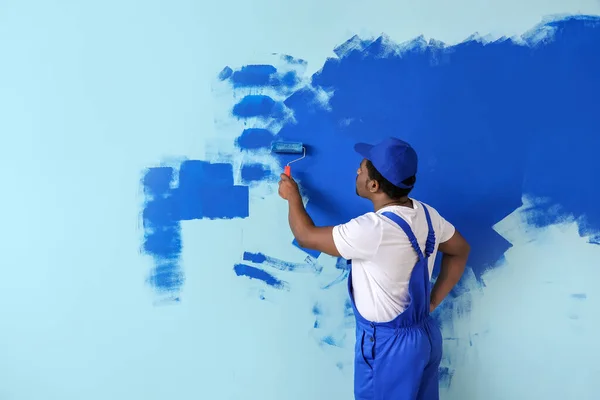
{"x": 430, "y": 244}
{"x": 404, "y": 226}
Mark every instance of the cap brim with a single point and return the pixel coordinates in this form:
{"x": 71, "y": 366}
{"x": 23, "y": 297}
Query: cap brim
{"x": 363, "y": 149}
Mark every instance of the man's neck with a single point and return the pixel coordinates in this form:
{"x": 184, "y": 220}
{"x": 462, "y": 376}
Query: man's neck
{"x": 403, "y": 202}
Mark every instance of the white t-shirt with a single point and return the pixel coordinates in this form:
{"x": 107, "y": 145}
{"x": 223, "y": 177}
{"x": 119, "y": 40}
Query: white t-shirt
{"x": 383, "y": 258}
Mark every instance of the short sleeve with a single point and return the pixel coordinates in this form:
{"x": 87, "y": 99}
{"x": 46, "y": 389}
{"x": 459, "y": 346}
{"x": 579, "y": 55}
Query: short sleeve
{"x": 359, "y": 238}
{"x": 446, "y": 230}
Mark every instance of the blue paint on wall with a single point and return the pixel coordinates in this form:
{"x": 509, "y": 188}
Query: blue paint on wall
{"x": 205, "y": 191}
{"x": 330, "y": 340}
{"x": 257, "y": 105}
{"x": 255, "y": 172}
{"x": 162, "y": 231}
{"x": 225, "y": 73}
{"x": 259, "y": 274}
{"x": 292, "y": 60}
{"x": 254, "y": 139}
{"x": 317, "y": 312}
{"x": 459, "y": 108}
{"x": 253, "y": 75}
{"x": 259, "y": 258}
{"x": 263, "y": 75}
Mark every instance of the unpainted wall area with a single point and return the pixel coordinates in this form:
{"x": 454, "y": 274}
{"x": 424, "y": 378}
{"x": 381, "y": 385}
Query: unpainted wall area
{"x": 150, "y": 255}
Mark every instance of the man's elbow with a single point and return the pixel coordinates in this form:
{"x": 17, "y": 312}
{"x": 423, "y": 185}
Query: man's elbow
{"x": 305, "y": 241}
{"x": 302, "y": 242}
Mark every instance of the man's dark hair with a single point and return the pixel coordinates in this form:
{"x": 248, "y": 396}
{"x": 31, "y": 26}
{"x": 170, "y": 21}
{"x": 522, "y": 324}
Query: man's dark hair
{"x": 391, "y": 190}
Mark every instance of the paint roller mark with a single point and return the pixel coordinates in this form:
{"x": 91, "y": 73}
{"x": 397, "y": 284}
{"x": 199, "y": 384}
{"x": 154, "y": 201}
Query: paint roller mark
{"x": 334, "y": 330}
{"x": 205, "y": 191}
{"x": 225, "y": 73}
{"x": 348, "y": 310}
{"x": 162, "y": 231}
{"x": 259, "y": 258}
{"x": 342, "y": 265}
{"x": 255, "y": 105}
{"x": 253, "y": 75}
{"x": 254, "y": 139}
{"x": 317, "y": 312}
{"x": 255, "y": 172}
{"x": 292, "y": 60}
{"x": 263, "y": 75}
{"x": 330, "y": 340}
{"x": 259, "y": 274}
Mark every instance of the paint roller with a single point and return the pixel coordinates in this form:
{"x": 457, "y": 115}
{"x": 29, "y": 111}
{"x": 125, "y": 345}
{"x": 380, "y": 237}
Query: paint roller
{"x": 289, "y": 148}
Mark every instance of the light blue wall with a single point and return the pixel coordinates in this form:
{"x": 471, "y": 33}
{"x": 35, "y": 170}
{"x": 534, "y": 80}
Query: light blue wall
{"x": 93, "y": 94}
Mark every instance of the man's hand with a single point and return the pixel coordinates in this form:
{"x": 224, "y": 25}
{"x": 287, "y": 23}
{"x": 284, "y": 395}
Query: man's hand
{"x": 288, "y": 188}
{"x": 455, "y": 253}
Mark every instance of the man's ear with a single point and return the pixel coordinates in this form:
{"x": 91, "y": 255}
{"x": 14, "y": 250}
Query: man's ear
{"x": 373, "y": 186}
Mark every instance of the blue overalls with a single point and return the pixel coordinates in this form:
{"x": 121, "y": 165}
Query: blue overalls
{"x": 399, "y": 359}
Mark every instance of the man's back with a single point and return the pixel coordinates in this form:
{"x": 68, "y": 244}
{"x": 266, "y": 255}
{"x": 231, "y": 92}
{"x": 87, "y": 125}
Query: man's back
{"x": 383, "y": 259}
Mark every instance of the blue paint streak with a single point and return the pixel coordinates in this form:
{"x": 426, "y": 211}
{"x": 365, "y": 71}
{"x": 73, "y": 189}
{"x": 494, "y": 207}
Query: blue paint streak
{"x": 254, "y": 139}
{"x": 167, "y": 277}
{"x": 348, "y": 310}
{"x": 329, "y": 340}
{"x": 259, "y": 258}
{"x": 258, "y": 106}
{"x": 162, "y": 231}
{"x": 257, "y": 273}
{"x": 289, "y": 79}
{"x": 225, "y": 73}
{"x": 292, "y": 60}
{"x": 255, "y": 172}
{"x": 205, "y": 190}
{"x": 508, "y": 110}
{"x": 316, "y": 310}
{"x": 253, "y": 75}
{"x": 579, "y": 296}
{"x": 343, "y": 264}
{"x": 263, "y": 76}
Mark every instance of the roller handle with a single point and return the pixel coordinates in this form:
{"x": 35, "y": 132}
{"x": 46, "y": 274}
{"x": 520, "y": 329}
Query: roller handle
{"x": 288, "y": 171}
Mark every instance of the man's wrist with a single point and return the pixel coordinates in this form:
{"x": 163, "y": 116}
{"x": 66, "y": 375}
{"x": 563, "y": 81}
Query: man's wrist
{"x": 296, "y": 200}
{"x": 433, "y": 303}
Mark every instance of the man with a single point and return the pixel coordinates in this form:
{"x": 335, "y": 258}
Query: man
{"x": 392, "y": 253}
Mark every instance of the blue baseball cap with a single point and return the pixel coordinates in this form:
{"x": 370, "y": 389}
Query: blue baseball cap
{"x": 395, "y": 159}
